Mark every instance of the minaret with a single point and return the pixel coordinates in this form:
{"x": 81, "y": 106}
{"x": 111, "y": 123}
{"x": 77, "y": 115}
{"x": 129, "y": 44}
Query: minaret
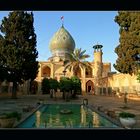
{"x": 98, "y": 65}
{"x": 98, "y": 60}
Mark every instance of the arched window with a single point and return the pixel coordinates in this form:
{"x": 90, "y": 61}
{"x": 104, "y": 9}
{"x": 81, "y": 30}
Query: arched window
{"x": 77, "y": 72}
{"x": 46, "y": 71}
{"x": 88, "y": 72}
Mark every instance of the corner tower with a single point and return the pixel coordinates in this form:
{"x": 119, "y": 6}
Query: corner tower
{"x": 98, "y": 66}
{"x": 98, "y": 61}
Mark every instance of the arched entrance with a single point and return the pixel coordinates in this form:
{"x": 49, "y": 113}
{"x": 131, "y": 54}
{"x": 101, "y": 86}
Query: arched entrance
{"x": 89, "y": 87}
{"x": 46, "y": 71}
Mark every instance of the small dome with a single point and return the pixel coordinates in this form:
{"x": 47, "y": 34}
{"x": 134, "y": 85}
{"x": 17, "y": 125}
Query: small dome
{"x": 61, "y": 43}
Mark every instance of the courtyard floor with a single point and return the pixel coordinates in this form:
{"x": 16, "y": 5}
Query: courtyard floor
{"x": 104, "y": 102}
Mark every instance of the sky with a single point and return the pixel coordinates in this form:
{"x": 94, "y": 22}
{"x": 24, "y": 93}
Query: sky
{"x": 86, "y": 27}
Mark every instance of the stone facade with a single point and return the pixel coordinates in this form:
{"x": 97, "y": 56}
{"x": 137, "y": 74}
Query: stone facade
{"x": 96, "y": 79}
{"x": 88, "y": 75}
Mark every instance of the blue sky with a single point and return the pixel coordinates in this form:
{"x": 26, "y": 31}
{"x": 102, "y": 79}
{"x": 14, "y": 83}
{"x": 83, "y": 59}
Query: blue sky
{"x": 86, "y": 27}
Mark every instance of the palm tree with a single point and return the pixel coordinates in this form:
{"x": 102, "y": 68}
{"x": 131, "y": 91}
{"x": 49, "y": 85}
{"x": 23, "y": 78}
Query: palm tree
{"x": 77, "y": 60}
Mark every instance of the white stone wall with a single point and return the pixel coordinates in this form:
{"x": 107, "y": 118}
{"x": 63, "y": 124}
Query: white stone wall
{"x": 124, "y": 82}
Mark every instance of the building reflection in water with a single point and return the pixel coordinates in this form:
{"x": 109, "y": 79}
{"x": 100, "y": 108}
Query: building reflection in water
{"x": 96, "y": 122}
{"x": 54, "y": 121}
{"x": 38, "y": 114}
{"x": 83, "y": 116}
{"x": 57, "y": 119}
{"x": 50, "y": 121}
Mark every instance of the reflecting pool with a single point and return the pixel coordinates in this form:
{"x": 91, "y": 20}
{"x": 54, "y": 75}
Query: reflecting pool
{"x": 65, "y": 116}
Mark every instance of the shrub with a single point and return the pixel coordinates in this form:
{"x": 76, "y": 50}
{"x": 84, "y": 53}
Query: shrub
{"x": 54, "y": 84}
{"x": 14, "y": 114}
{"x": 45, "y": 87}
{"x": 126, "y": 115}
{"x": 76, "y": 85}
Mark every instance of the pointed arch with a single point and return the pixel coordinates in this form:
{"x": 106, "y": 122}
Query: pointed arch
{"x": 77, "y": 71}
{"x": 89, "y": 86}
{"x": 46, "y": 71}
{"x": 88, "y": 72}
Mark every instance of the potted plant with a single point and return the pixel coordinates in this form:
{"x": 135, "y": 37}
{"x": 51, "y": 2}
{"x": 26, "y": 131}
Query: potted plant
{"x": 7, "y": 120}
{"x": 127, "y": 119}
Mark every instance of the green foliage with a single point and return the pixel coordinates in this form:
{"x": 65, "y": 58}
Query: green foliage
{"x": 45, "y": 86}
{"x": 68, "y": 84}
{"x": 77, "y": 59}
{"x": 14, "y": 114}
{"x": 18, "y": 48}
{"x": 129, "y": 46}
{"x": 53, "y": 84}
{"x": 76, "y": 84}
{"x": 48, "y": 84}
{"x": 3, "y": 72}
{"x": 65, "y": 84}
{"x": 126, "y": 115}
{"x": 138, "y": 77}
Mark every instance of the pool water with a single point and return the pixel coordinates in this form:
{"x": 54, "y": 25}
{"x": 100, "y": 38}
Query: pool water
{"x": 65, "y": 116}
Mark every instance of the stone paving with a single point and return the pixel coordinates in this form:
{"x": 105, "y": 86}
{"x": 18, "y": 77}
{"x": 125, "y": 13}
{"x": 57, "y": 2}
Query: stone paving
{"x": 106, "y": 102}
{"x": 117, "y": 104}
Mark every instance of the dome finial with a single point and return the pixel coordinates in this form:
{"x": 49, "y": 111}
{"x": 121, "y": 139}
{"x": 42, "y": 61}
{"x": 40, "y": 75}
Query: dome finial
{"x": 62, "y": 19}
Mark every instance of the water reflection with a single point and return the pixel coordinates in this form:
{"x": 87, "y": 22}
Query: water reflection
{"x": 54, "y": 121}
{"x": 38, "y": 114}
{"x": 96, "y": 121}
{"x": 89, "y": 118}
{"x": 83, "y": 116}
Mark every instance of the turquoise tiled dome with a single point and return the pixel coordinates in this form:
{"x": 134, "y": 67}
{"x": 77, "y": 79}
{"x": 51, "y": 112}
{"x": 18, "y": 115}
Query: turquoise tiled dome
{"x": 62, "y": 42}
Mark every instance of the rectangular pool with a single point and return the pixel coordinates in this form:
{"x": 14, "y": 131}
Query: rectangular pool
{"x": 65, "y": 116}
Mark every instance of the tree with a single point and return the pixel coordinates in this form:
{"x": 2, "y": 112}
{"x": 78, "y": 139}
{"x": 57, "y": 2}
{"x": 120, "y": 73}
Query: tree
{"x": 3, "y": 73}
{"x": 76, "y": 85}
{"x": 129, "y": 46}
{"x": 77, "y": 59}
{"x": 65, "y": 85}
{"x": 18, "y": 48}
{"x": 45, "y": 86}
{"x": 54, "y": 85}
{"x": 138, "y": 77}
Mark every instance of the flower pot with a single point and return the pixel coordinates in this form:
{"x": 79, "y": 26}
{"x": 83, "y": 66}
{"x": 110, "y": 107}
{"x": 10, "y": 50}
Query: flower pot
{"x": 128, "y": 122}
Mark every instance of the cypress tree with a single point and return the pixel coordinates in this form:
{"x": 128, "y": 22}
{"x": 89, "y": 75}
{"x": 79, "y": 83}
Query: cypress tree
{"x": 18, "y": 48}
{"x": 129, "y": 42}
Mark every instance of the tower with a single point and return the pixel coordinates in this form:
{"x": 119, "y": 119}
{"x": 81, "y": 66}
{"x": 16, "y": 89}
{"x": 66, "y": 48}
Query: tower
{"x": 98, "y": 66}
{"x": 98, "y": 60}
